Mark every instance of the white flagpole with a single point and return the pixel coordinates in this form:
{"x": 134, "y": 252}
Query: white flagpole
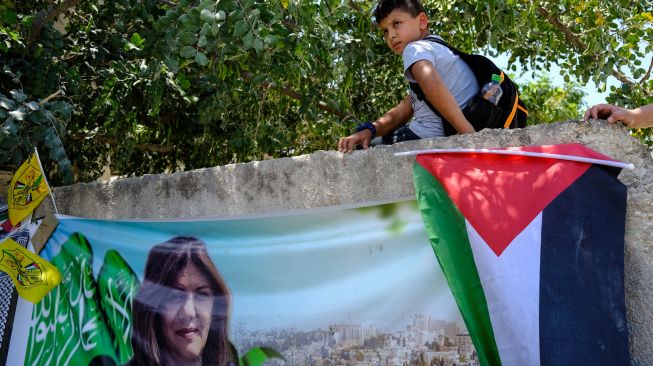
{"x": 581, "y": 159}
{"x": 38, "y": 159}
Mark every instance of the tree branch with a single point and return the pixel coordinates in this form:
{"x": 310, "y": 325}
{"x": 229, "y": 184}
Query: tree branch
{"x": 353, "y": 4}
{"x": 576, "y": 42}
{"x": 42, "y": 17}
{"x": 293, "y": 94}
{"x": 53, "y": 95}
{"x": 290, "y": 23}
{"x": 569, "y": 35}
{"x": 161, "y": 149}
{"x": 648, "y": 73}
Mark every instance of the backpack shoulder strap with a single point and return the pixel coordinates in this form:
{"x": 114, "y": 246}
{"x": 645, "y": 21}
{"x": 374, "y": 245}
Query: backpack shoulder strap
{"x": 447, "y": 126}
{"x": 438, "y": 40}
{"x": 416, "y": 88}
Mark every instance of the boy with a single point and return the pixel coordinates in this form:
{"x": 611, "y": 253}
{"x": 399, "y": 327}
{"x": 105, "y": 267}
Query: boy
{"x": 446, "y": 80}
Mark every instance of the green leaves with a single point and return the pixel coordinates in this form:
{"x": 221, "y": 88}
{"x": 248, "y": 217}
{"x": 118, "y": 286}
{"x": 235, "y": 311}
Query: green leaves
{"x": 40, "y": 116}
{"x": 18, "y": 114}
{"x": 29, "y": 124}
{"x": 18, "y": 96}
{"x": 188, "y": 38}
{"x": 33, "y": 106}
{"x": 188, "y": 52}
{"x": 201, "y": 59}
{"x": 548, "y": 103}
{"x": 241, "y": 28}
{"x": 10, "y": 127}
{"x": 207, "y": 15}
{"x": 60, "y": 109}
{"x": 135, "y": 42}
{"x": 7, "y": 104}
{"x": 220, "y": 16}
{"x": 161, "y": 85}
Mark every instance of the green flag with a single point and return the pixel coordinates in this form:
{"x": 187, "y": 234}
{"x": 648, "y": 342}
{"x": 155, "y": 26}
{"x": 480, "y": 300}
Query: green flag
{"x": 118, "y": 284}
{"x": 67, "y": 326}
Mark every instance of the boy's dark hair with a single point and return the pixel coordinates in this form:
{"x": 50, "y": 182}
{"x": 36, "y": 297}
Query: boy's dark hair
{"x": 385, "y": 7}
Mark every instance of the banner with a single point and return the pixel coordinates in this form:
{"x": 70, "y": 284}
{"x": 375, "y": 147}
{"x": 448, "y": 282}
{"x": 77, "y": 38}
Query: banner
{"x": 356, "y": 286}
{"x": 8, "y": 293}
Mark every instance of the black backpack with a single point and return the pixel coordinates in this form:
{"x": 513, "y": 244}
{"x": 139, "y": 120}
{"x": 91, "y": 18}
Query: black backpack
{"x": 510, "y": 111}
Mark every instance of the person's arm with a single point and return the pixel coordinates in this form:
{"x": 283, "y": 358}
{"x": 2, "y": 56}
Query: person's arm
{"x": 641, "y": 117}
{"x": 437, "y": 93}
{"x": 394, "y": 118}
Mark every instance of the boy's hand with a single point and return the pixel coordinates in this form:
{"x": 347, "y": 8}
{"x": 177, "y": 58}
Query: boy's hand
{"x": 641, "y": 117}
{"x": 348, "y": 144}
{"x": 612, "y": 114}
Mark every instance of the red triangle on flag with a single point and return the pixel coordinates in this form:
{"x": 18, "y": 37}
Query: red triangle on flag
{"x": 501, "y": 194}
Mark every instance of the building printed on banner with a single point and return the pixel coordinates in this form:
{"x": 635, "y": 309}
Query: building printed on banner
{"x": 424, "y": 341}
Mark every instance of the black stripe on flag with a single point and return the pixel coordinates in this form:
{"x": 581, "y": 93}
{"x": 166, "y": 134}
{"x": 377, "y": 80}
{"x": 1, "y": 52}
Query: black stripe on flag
{"x": 582, "y": 309}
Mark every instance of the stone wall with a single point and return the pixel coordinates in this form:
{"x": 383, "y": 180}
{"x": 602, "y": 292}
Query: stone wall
{"x": 328, "y": 178}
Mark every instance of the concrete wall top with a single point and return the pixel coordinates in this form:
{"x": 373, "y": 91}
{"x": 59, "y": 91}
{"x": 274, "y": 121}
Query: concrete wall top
{"x": 324, "y": 178}
{"x": 329, "y": 178}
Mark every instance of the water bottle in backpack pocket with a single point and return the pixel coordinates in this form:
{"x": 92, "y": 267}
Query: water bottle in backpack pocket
{"x": 492, "y": 91}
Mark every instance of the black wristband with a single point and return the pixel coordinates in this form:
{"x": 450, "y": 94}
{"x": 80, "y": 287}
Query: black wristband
{"x": 367, "y": 126}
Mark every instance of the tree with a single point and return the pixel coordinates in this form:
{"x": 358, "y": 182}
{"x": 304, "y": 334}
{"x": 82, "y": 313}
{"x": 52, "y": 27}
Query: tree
{"x": 171, "y": 85}
{"x": 590, "y": 40}
{"x": 548, "y": 103}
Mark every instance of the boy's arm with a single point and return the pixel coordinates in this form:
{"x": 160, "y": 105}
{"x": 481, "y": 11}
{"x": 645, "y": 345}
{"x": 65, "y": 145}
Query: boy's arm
{"x": 394, "y": 118}
{"x": 437, "y": 93}
{"x": 645, "y": 116}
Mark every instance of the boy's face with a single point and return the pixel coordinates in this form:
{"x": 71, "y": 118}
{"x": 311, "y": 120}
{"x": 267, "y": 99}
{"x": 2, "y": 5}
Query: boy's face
{"x": 400, "y": 28}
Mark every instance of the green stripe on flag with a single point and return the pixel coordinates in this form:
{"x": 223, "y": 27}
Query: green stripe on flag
{"x": 446, "y": 229}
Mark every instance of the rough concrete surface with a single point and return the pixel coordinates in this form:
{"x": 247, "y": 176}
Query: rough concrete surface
{"x": 327, "y": 178}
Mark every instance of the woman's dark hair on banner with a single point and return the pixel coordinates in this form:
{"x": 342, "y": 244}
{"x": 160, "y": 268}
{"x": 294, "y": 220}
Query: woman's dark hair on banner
{"x": 181, "y": 311}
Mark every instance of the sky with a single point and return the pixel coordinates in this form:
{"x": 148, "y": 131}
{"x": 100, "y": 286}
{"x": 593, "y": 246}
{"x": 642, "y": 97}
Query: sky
{"x": 592, "y": 96}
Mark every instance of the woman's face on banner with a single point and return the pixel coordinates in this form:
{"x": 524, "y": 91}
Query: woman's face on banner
{"x": 186, "y": 315}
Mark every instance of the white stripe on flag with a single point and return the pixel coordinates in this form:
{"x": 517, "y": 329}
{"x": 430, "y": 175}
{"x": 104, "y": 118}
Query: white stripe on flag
{"x": 511, "y": 283}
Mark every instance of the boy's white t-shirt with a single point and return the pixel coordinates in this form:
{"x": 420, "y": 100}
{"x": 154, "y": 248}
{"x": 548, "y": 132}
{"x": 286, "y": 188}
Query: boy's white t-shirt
{"x": 454, "y": 72}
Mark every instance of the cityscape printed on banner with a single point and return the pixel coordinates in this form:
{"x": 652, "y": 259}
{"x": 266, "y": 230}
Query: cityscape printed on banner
{"x": 424, "y": 341}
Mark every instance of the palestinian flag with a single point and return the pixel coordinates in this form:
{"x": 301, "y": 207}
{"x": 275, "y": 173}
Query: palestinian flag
{"x": 532, "y": 246}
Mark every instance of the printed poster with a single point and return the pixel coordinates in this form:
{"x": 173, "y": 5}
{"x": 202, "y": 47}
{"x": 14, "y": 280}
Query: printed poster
{"x": 356, "y": 286}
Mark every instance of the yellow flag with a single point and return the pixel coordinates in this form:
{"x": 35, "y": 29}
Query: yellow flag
{"x": 27, "y": 189}
{"x": 33, "y": 276}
